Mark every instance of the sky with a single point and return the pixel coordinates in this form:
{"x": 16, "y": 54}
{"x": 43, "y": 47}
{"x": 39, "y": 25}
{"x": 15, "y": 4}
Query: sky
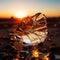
{"x": 51, "y": 8}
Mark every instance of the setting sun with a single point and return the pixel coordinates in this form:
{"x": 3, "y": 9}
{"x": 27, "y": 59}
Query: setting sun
{"x": 20, "y": 14}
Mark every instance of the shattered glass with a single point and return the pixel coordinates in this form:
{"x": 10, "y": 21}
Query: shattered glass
{"x": 33, "y": 30}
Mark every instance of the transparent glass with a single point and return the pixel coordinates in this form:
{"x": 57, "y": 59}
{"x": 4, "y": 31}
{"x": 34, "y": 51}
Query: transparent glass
{"x": 32, "y": 30}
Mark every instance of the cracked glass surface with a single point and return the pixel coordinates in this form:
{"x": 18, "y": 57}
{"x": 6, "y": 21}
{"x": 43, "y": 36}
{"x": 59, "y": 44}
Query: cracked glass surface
{"x": 33, "y": 30}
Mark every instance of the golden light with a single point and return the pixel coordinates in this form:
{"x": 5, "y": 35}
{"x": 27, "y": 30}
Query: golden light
{"x": 20, "y": 14}
{"x": 46, "y": 57}
{"x": 35, "y": 53}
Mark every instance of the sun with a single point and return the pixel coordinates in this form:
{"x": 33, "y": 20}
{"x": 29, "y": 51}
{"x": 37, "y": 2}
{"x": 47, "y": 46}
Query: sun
{"x": 20, "y": 14}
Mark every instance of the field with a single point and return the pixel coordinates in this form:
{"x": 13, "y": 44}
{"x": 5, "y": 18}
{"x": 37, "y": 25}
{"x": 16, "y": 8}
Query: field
{"x": 8, "y": 25}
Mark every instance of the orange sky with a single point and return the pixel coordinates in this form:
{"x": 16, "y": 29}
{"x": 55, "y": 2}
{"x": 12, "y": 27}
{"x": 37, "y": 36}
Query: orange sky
{"x": 48, "y": 7}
